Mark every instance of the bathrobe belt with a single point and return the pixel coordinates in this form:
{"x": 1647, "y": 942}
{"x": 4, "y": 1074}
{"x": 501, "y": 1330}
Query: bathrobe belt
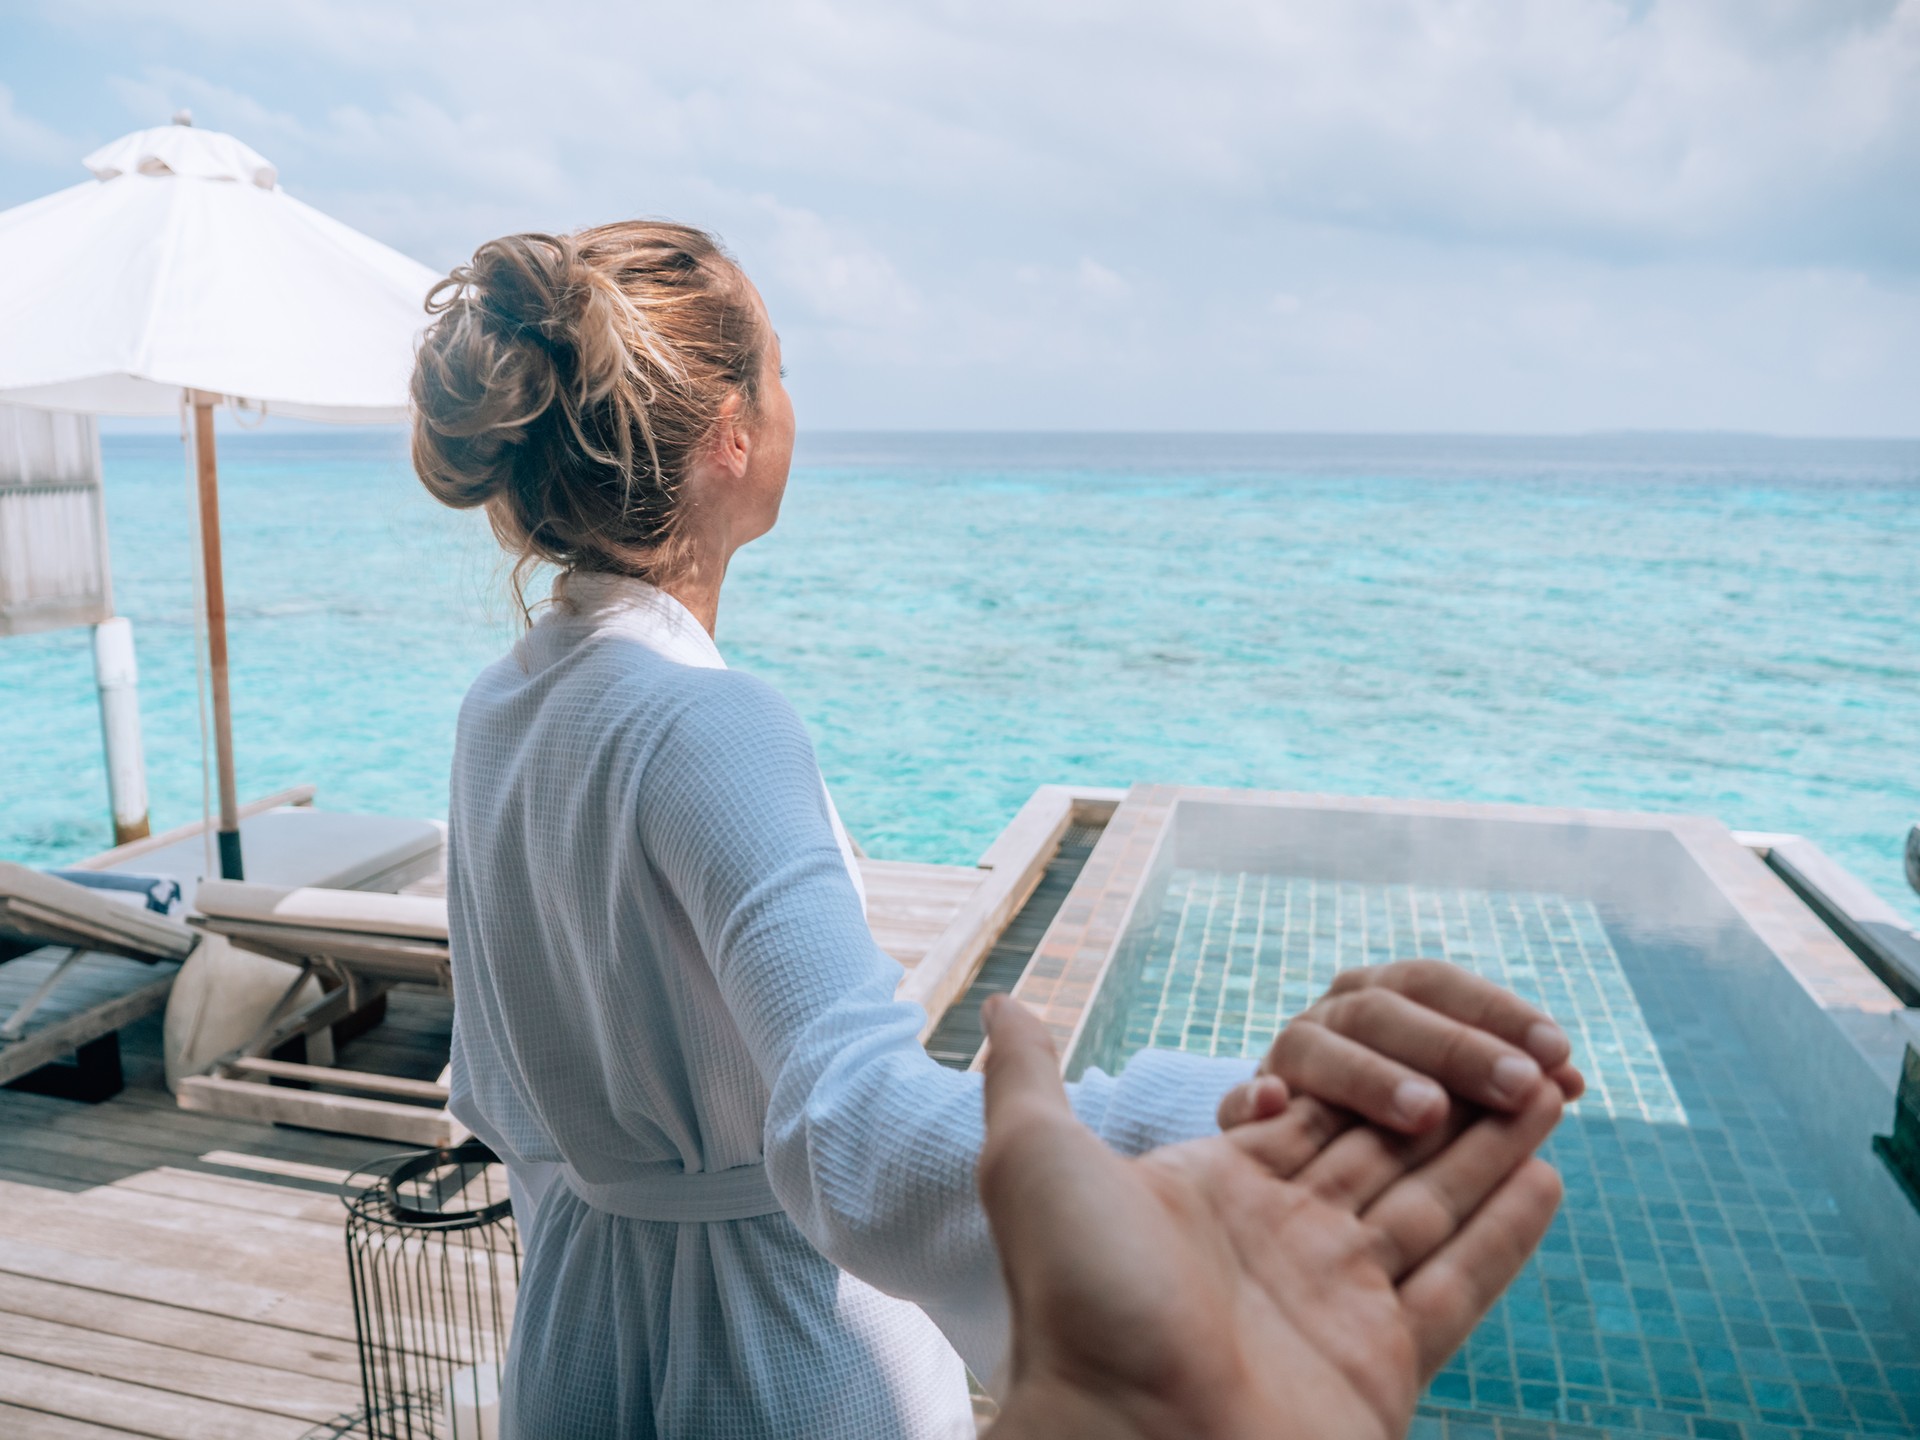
{"x": 739, "y": 1193}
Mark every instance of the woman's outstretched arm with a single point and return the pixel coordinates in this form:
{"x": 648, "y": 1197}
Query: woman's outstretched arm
{"x": 870, "y": 1145}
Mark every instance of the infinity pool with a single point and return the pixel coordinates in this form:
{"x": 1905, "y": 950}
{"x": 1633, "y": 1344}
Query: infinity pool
{"x": 1706, "y": 1276}
{"x": 1700, "y": 1266}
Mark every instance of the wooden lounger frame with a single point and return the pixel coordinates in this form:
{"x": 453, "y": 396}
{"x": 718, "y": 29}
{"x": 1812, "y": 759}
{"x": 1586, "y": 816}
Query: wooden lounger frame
{"x": 355, "y": 969}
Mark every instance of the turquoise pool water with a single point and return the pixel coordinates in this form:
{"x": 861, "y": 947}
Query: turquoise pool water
{"x": 1709, "y": 625}
{"x": 1699, "y": 1280}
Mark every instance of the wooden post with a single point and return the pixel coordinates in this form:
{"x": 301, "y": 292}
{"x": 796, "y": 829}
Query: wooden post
{"x": 209, "y": 482}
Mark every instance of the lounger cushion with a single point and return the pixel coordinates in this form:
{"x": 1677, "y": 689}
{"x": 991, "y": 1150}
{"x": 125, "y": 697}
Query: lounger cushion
{"x": 299, "y": 846}
{"x": 421, "y": 917}
{"x": 59, "y": 912}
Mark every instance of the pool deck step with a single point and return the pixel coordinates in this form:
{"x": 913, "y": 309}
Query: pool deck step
{"x": 957, "y": 1040}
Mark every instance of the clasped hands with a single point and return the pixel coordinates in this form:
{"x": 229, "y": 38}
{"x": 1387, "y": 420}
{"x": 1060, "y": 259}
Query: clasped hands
{"x": 1303, "y": 1274}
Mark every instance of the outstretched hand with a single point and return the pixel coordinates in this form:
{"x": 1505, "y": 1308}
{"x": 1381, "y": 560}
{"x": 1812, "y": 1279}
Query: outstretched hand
{"x": 1298, "y": 1278}
{"x": 1393, "y": 1042}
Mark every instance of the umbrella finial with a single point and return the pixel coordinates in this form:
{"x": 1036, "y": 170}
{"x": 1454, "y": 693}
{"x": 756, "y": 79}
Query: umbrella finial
{"x": 183, "y": 116}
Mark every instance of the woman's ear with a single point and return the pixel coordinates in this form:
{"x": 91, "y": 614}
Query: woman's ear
{"x": 732, "y": 445}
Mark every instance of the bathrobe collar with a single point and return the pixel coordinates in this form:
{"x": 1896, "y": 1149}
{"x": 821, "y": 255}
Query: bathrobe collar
{"x": 601, "y": 602}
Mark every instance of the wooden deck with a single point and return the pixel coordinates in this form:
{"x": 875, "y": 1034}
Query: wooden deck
{"x": 179, "y": 1275}
{"x": 170, "y": 1274}
{"x": 910, "y": 906}
{"x": 182, "y": 1276}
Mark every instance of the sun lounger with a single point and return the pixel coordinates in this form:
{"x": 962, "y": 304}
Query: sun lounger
{"x": 132, "y": 955}
{"x": 358, "y": 945}
{"x": 58, "y": 911}
{"x": 104, "y": 961}
{"x": 298, "y": 845}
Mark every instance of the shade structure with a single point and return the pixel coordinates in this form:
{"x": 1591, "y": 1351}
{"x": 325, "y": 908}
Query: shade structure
{"x": 183, "y": 265}
{"x": 182, "y": 273}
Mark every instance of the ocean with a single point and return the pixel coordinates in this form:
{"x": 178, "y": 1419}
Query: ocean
{"x": 1713, "y": 625}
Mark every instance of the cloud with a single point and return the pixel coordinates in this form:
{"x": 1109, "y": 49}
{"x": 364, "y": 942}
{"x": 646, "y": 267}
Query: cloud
{"x": 1232, "y": 211}
{"x": 831, "y": 273}
{"x": 1785, "y": 129}
{"x": 1098, "y": 283}
{"x": 25, "y": 140}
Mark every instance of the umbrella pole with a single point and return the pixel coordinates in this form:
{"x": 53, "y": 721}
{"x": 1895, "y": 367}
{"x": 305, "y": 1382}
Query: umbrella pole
{"x": 207, "y": 473}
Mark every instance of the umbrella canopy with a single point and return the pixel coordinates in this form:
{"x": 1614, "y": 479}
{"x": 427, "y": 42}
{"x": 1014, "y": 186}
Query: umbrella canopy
{"x": 182, "y": 265}
{"x": 183, "y": 273}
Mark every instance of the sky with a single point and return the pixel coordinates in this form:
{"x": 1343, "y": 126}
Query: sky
{"x": 1524, "y": 216}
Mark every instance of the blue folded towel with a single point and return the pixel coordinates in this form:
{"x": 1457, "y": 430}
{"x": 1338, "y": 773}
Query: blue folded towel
{"x": 162, "y": 891}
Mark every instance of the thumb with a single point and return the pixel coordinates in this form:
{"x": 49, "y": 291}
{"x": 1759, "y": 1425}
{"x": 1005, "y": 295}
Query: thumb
{"x": 1041, "y": 1171}
{"x": 1022, "y": 1068}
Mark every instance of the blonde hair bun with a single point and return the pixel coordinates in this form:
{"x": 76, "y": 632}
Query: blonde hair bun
{"x": 566, "y": 380}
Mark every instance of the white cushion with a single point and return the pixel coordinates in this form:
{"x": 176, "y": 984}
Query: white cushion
{"x": 309, "y": 907}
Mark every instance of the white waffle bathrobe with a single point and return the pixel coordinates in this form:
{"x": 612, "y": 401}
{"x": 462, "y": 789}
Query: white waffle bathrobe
{"x": 663, "y": 978}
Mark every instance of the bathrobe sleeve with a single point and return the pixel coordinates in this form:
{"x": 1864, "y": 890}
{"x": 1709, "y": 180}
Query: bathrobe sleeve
{"x": 870, "y": 1145}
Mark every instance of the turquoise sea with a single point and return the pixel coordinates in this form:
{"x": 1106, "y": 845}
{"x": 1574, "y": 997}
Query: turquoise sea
{"x": 1718, "y": 625}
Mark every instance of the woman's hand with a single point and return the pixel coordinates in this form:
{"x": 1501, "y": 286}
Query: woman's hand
{"x": 1299, "y": 1277}
{"x": 1392, "y": 1042}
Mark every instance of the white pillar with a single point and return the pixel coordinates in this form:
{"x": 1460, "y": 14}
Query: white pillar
{"x": 119, "y": 681}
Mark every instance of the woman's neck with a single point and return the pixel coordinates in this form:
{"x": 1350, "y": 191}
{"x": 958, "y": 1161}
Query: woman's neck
{"x": 697, "y": 585}
{"x": 709, "y": 534}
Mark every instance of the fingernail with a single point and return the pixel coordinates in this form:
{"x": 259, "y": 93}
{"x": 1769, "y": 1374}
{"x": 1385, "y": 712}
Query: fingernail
{"x": 1268, "y": 1098}
{"x": 988, "y": 1011}
{"x": 1548, "y": 1043}
{"x": 1514, "y": 1076}
{"x": 1416, "y": 1100}
{"x": 1239, "y": 1100}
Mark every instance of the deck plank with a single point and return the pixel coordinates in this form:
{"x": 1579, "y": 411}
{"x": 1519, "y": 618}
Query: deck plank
{"x": 323, "y": 1357}
{"x": 242, "y": 1384}
{"x": 292, "y": 1257}
{"x": 174, "y": 1268}
{"x": 19, "y": 1424}
{"x": 197, "y": 1261}
{"x": 190, "y": 1290}
{"x": 909, "y": 904}
{"x": 246, "y": 1196}
{"x": 159, "y": 1414}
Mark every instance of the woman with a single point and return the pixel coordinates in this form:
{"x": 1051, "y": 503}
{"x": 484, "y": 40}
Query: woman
{"x": 747, "y": 1192}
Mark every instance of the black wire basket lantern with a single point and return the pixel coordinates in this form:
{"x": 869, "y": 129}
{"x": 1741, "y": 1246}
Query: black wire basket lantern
{"x": 434, "y": 1262}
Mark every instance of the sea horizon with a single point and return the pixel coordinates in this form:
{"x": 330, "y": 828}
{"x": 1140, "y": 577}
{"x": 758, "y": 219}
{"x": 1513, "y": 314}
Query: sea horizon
{"x": 113, "y": 425}
{"x": 1706, "y": 624}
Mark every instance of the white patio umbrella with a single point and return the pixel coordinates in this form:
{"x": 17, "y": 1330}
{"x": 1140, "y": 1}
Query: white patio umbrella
{"x": 183, "y": 274}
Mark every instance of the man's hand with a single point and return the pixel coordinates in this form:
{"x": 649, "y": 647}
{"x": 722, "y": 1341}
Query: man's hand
{"x": 1299, "y": 1278}
{"x": 1392, "y": 1042}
